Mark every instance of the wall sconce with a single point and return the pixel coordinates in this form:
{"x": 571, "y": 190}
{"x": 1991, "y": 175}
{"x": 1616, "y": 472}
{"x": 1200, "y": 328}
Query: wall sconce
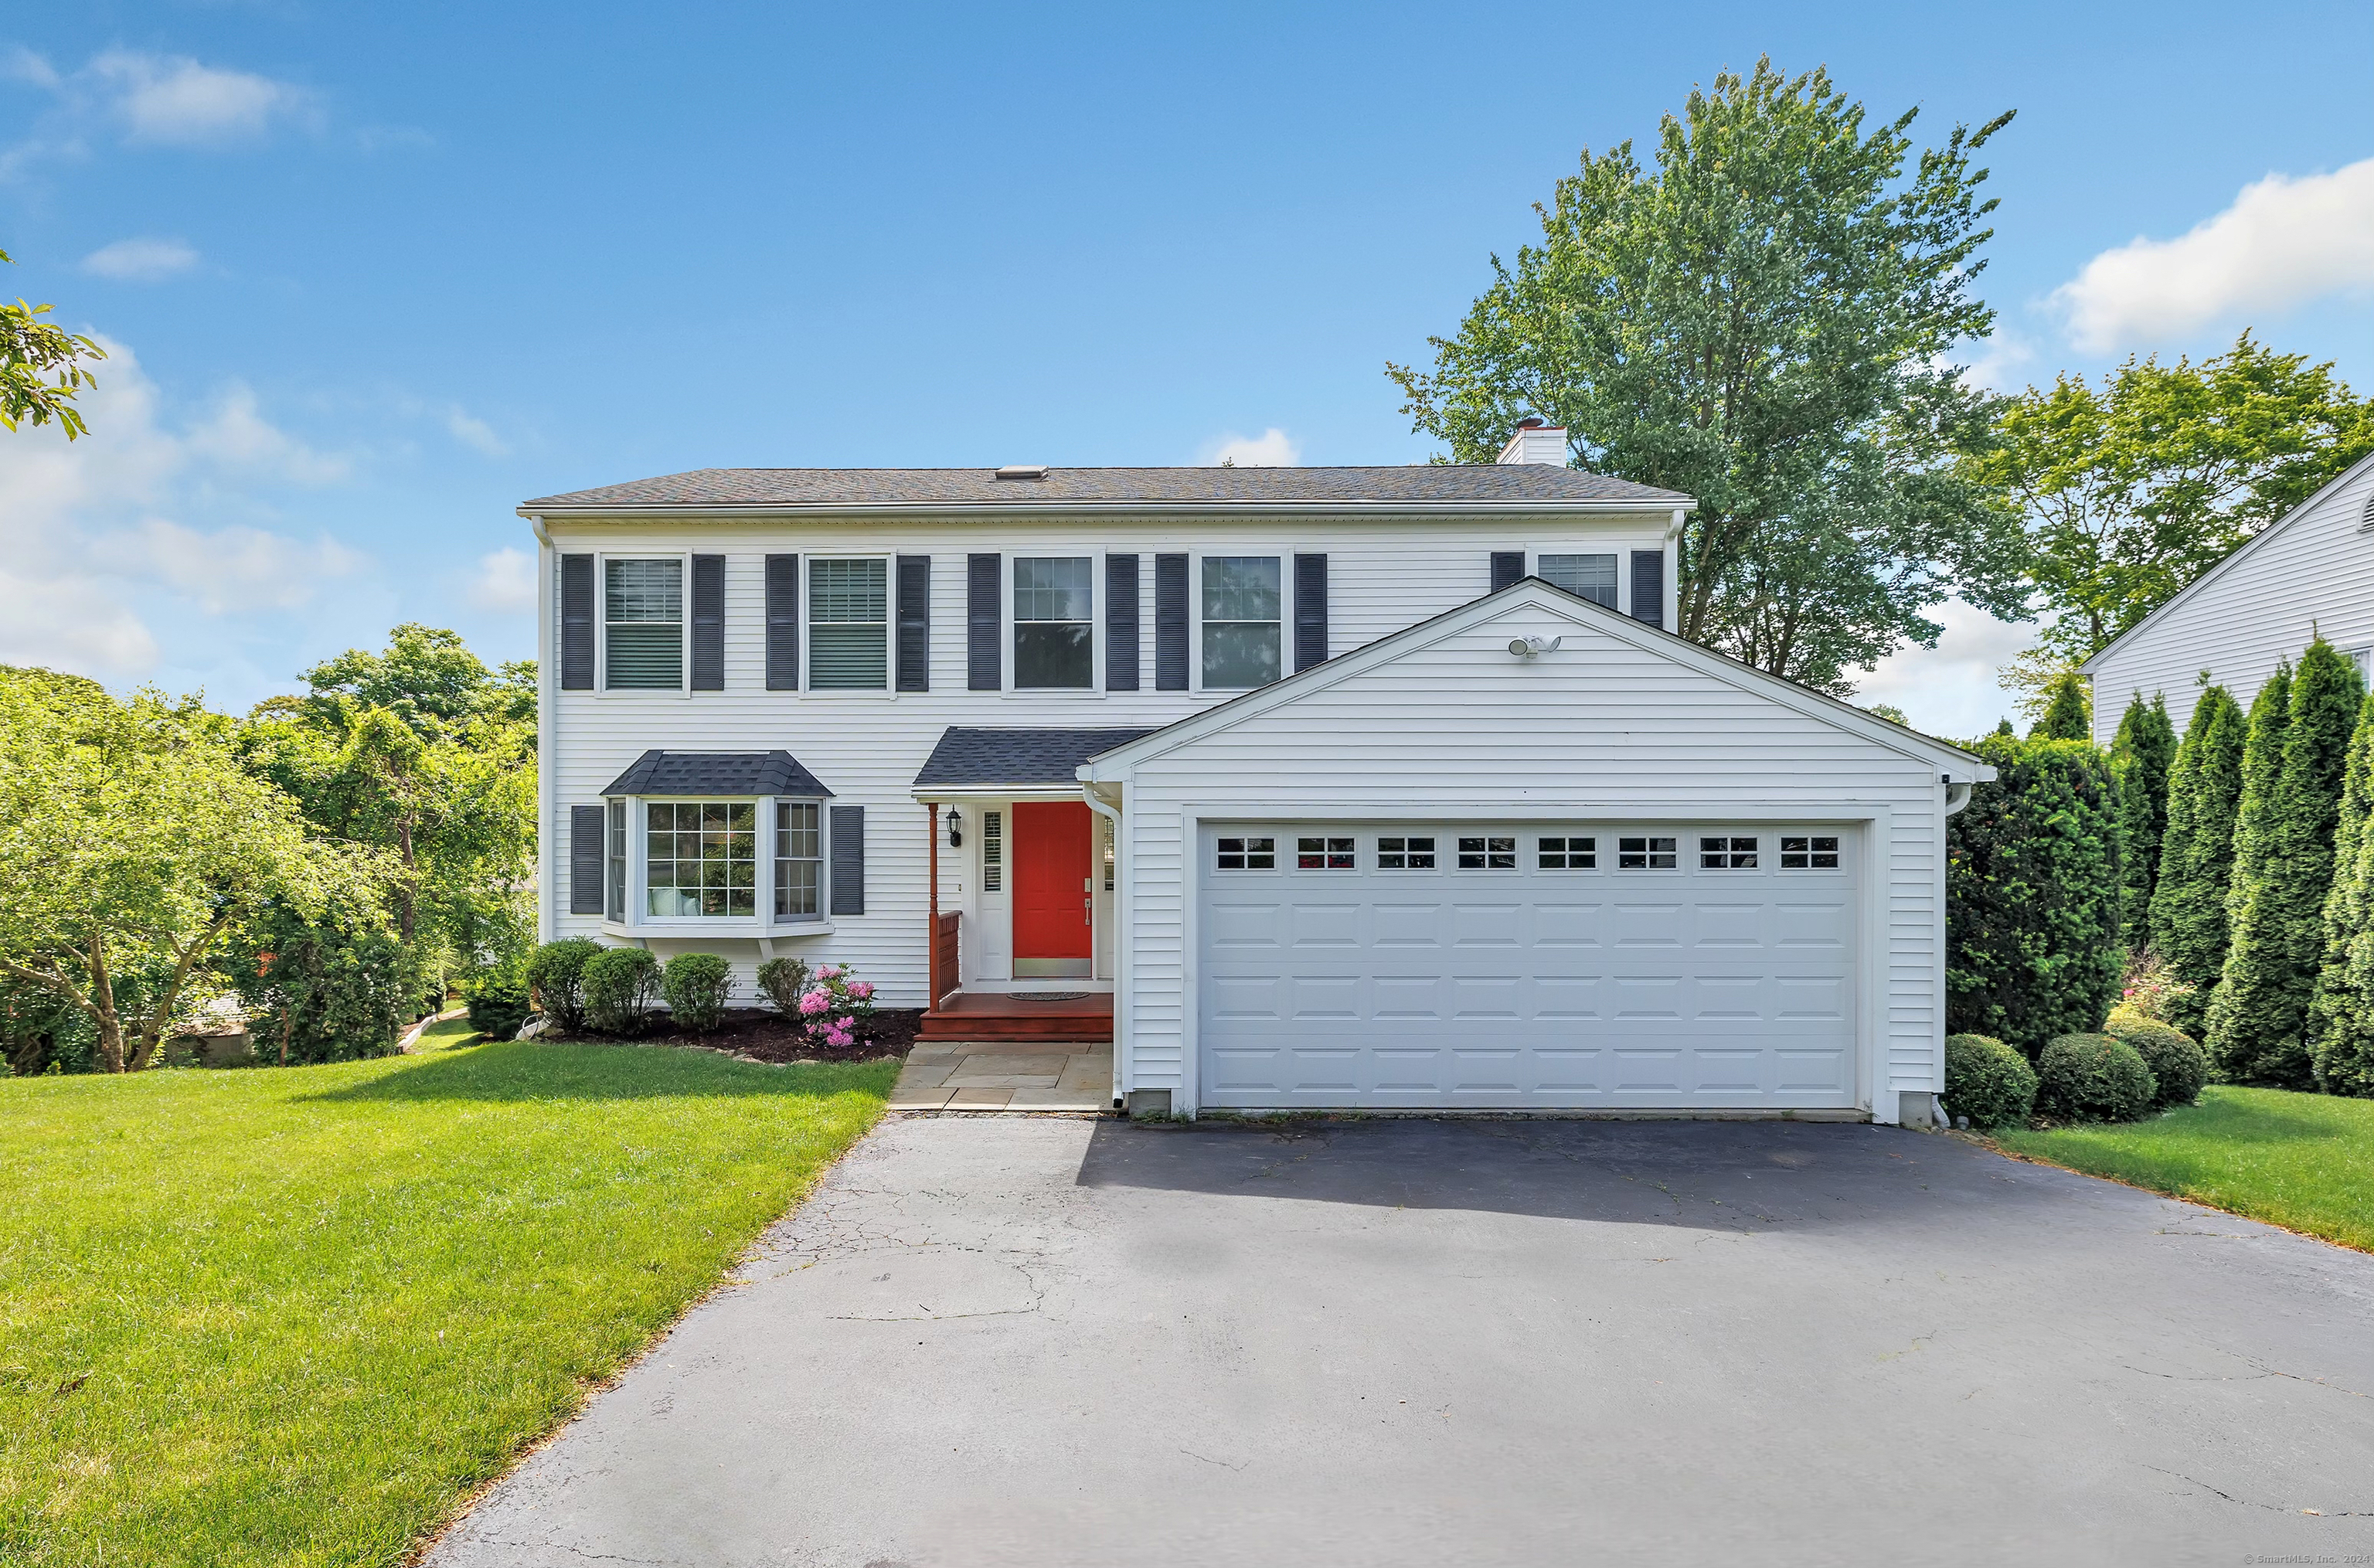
{"x": 956, "y": 829}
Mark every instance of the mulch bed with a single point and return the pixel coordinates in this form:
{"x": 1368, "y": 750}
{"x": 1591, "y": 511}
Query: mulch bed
{"x": 763, "y": 1036}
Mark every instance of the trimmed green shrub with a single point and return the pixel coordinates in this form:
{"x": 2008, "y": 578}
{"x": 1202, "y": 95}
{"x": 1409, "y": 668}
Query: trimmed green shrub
{"x": 556, "y": 974}
{"x": 2282, "y": 869}
{"x": 498, "y": 1003}
{"x": 781, "y": 981}
{"x": 333, "y": 987}
{"x": 620, "y": 983}
{"x": 2179, "y": 1066}
{"x": 1988, "y": 1081}
{"x": 2196, "y": 858}
{"x": 2140, "y": 759}
{"x": 694, "y": 985}
{"x": 2093, "y": 1077}
{"x": 2033, "y": 890}
{"x": 2070, "y": 713}
{"x": 2341, "y": 1014}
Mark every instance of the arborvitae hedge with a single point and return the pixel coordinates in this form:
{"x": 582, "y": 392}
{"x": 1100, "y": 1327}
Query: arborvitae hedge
{"x": 2140, "y": 759}
{"x": 2070, "y": 715}
{"x": 2283, "y": 869}
{"x": 2196, "y": 862}
{"x": 2340, "y": 1018}
{"x": 2032, "y": 895}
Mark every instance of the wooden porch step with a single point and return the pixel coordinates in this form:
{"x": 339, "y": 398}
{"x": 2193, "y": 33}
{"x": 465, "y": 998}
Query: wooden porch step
{"x": 982, "y": 1015}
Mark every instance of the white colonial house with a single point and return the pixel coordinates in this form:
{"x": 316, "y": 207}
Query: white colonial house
{"x": 1384, "y": 788}
{"x": 2310, "y": 571}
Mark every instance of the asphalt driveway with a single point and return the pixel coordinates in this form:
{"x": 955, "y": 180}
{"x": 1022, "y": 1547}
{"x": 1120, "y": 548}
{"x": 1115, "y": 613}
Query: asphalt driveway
{"x": 1009, "y": 1341}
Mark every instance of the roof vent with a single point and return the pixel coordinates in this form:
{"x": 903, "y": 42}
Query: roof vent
{"x": 2366, "y": 518}
{"x": 1023, "y": 471}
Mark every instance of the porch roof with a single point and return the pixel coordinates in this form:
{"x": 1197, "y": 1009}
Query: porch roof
{"x": 716, "y": 773}
{"x": 973, "y": 759}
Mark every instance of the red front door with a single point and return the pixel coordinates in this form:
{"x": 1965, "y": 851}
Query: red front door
{"x": 1050, "y": 880}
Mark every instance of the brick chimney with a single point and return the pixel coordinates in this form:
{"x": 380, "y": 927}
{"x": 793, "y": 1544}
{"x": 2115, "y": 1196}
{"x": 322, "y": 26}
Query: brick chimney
{"x": 1534, "y": 441}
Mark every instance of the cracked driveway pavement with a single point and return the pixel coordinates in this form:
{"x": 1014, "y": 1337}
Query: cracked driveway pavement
{"x": 1009, "y": 1341}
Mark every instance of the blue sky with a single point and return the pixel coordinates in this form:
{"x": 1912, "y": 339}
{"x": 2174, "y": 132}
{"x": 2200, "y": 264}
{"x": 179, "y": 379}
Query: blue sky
{"x": 375, "y": 274}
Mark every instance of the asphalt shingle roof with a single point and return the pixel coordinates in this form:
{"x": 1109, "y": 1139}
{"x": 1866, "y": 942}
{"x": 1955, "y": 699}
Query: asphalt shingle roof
{"x": 970, "y": 757}
{"x": 716, "y": 773}
{"x": 1435, "y": 483}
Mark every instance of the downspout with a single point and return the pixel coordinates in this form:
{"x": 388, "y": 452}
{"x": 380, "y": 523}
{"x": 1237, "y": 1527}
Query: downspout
{"x": 1673, "y": 569}
{"x": 1122, "y": 945}
{"x": 547, "y": 729}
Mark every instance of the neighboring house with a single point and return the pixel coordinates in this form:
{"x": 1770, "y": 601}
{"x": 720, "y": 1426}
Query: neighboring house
{"x": 1384, "y": 787}
{"x": 2310, "y": 570}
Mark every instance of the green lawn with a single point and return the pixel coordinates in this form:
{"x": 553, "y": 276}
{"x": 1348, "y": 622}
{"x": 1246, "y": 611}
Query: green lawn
{"x": 297, "y": 1316}
{"x": 2301, "y": 1161}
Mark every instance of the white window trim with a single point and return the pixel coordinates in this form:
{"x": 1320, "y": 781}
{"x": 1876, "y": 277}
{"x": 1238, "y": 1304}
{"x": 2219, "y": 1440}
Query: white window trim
{"x": 1007, "y": 662}
{"x": 889, "y": 687}
{"x": 1195, "y": 559}
{"x": 823, "y": 860}
{"x": 602, "y": 687}
{"x": 765, "y": 922}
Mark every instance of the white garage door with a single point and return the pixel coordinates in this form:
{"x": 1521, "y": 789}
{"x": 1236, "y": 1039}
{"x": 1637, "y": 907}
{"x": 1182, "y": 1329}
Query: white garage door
{"x": 1509, "y": 965}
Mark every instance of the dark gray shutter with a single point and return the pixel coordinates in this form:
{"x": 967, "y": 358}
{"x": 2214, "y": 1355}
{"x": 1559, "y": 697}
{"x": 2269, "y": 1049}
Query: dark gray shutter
{"x": 1121, "y": 623}
{"x": 585, "y": 860}
{"x": 1508, "y": 566}
{"x": 849, "y": 858}
{"x": 982, "y": 578}
{"x": 708, "y": 624}
{"x": 783, "y": 623}
{"x": 1309, "y": 610}
{"x": 915, "y": 623}
{"x": 1171, "y": 623}
{"x": 577, "y": 623}
{"x": 1648, "y": 586}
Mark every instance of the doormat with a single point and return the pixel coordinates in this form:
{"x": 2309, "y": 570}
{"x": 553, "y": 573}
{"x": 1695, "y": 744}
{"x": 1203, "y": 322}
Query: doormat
{"x": 1049, "y": 995}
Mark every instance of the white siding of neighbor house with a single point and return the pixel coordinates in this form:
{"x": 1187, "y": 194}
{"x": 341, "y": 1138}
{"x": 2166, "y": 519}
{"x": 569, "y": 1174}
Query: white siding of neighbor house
{"x": 1604, "y": 729}
{"x": 867, "y": 746}
{"x": 2312, "y": 571}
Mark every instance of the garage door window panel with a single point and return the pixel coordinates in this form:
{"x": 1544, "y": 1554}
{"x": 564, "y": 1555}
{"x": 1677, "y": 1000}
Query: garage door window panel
{"x": 1568, "y": 853}
{"x": 1488, "y": 852}
{"x": 1726, "y": 852}
{"x": 1646, "y": 853}
{"x": 1812, "y": 852}
{"x": 1246, "y": 855}
{"x": 1323, "y": 853}
{"x": 1405, "y": 854}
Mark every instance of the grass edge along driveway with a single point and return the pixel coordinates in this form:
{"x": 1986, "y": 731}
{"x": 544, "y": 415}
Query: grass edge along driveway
{"x": 2304, "y": 1161}
{"x": 300, "y": 1316}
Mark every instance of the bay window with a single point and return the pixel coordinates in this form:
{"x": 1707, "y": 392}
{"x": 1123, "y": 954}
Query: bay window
{"x": 701, "y": 858}
{"x": 799, "y": 860}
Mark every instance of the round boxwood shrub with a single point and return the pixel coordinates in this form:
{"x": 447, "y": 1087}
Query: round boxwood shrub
{"x": 2179, "y": 1066}
{"x": 498, "y": 1003}
{"x": 1988, "y": 1081}
{"x": 620, "y": 985}
{"x": 556, "y": 974}
{"x": 694, "y": 985}
{"x": 2093, "y": 1077}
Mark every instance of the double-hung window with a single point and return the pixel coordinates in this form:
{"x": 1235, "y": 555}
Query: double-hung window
{"x": 1591, "y": 576}
{"x": 701, "y": 858}
{"x": 614, "y": 831}
{"x": 1244, "y": 643}
{"x": 848, "y": 625}
{"x": 799, "y": 860}
{"x": 1054, "y": 624}
{"x": 643, "y": 632}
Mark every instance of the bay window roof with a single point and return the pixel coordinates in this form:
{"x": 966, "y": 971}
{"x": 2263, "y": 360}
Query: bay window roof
{"x": 717, "y": 773}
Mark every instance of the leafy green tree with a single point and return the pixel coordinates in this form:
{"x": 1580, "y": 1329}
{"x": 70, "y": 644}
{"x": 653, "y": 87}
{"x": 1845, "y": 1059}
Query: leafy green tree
{"x": 329, "y": 985}
{"x": 42, "y": 369}
{"x": 427, "y": 677}
{"x": 131, "y": 842}
{"x": 2033, "y": 889}
{"x": 2196, "y": 858}
{"x": 2141, "y": 756}
{"x": 2341, "y": 1015}
{"x": 2282, "y": 869}
{"x": 1765, "y": 322}
{"x": 2133, "y": 489}
{"x": 2069, "y": 716}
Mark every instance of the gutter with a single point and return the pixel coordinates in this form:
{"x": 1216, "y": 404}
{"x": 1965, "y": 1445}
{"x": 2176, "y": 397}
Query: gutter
{"x": 1122, "y": 904}
{"x": 874, "y": 510}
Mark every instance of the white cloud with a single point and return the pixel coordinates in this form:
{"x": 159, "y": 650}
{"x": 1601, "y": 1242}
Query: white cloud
{"x": 100, "y": 535}
{"x": 2283, "y": 242}
{"x": 21, "y": 65}
{"x": 1950, "y": 689}
{"x": 474, "y": 432}
{"x": 1271, "y": 449}
{"x": 175, "y": 100}
{"x": 506, "y": 582}
{"x": 140, "y": 261}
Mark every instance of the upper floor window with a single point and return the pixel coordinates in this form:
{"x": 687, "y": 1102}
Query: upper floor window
{"x": 848, "y": 625}
{"x": 1592, "y": 577}
{"x": 1244, "y": 644}
{"x": 701, "y": 857}
{"x": 799, "y": 859}
{"x": 1054, "y": 627}
{"x": 642, "y": 613}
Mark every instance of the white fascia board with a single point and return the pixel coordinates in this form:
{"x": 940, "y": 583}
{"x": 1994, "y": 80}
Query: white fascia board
{"x": 2242, "y": 550}
{"x": 943, "y": 794}
{"x": 1964, "y": 767}
{"x": 874, "y": 511}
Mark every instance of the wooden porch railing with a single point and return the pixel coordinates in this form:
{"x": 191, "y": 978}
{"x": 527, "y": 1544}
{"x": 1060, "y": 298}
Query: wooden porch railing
{"x": 943, "y": 956}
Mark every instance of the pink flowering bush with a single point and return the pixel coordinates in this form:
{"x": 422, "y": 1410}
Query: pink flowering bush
{"x": 834, "y": 1005}
{"x": 2151, "y": 988}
